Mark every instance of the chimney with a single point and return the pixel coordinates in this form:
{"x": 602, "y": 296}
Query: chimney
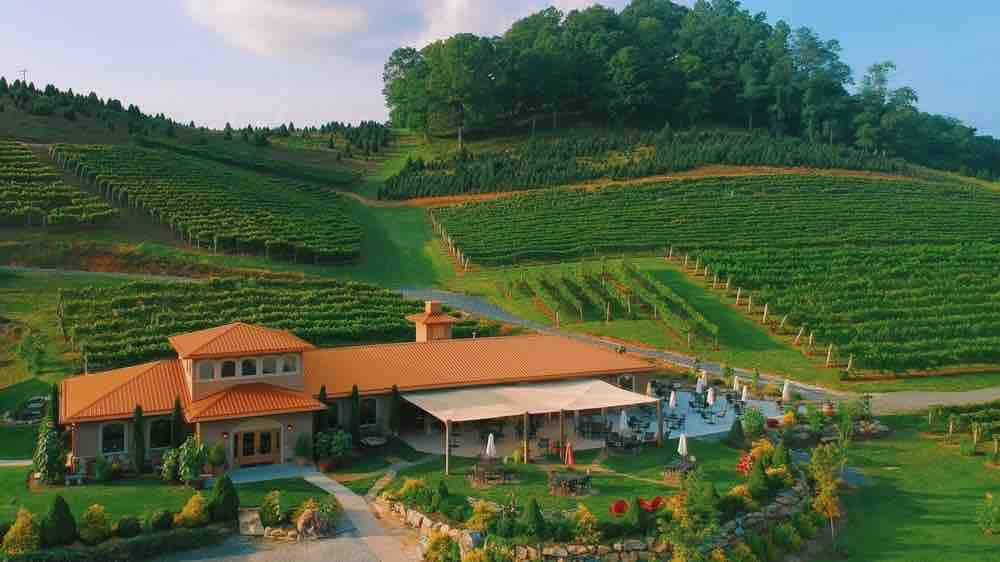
{"x": 433, "y": 324}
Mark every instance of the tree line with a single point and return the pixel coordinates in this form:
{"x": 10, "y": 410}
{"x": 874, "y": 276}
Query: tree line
{"x": 656, "y": 62}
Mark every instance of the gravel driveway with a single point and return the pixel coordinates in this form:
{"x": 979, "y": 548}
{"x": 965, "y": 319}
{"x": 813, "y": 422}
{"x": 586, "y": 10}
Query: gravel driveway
{"x": 344, "y": 548}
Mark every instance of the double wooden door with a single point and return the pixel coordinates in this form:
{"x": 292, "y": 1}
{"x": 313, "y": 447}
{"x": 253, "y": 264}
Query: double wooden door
{"x": 257, "y": 447}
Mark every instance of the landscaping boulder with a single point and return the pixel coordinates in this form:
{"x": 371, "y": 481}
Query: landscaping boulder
{"x": 250, "y": 524}
{"x": 313, "y": 524}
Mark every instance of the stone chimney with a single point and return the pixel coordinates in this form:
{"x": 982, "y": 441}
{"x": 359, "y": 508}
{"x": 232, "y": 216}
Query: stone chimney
{"x": 433, "y": 324}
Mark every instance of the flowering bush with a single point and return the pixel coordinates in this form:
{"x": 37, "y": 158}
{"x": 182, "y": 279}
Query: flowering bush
{"x": 618, "y": 508}
{"x": 652, "y": 505}
{"x": 744, "y": 465}
{"x": 789, "y": 419}
{"x": 762, "y": 450}
{"x": 740, "y": 490}
{"x": 780, "y": 477}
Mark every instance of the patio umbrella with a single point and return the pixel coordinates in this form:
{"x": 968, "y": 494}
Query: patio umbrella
{"x": 649, "y": 388}
{"x": 711, "y": 396}
{"x": 699, "y": 386}
{"x": 736, "y": 384}
{"x": 786, "y": 392}
{"x": 673, "y": 399}
{"x": 682, "y": 445}
{"x": 570, "y": 460}
{"x": 491, "y": 448}
{"x": 623, "y": 423}
{"x": 746, "y": 393}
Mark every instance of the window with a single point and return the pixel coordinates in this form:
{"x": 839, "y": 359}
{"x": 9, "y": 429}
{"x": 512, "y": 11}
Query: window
{"x": 289, "y": 364}
{"x": 206, "y": 370}
{"x": 265, "y": 443}
{"x": 248, "y": 367}
{"x": 627, "y": 382}
{"x": 369, "y": 411}
{"x": 160, "y": 434}
{"x": 269, "y": 365}
{"x": 248, "y": 448}
{"x": 228, "y": 369}
{"x": 112, "y": 438}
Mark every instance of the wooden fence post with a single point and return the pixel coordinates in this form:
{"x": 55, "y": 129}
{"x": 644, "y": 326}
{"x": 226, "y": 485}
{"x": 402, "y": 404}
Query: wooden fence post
{"x": 739, "y": 291}
{"x": 801, "y": 329}
{"x": 850, "y": 363}
{"x": 829, "y": 355}
{"x": 764, "y": 320}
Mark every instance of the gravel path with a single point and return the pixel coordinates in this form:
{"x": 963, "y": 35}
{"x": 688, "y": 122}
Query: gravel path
{"x": 916, "y": 400}
{"x": 345, "y": 548}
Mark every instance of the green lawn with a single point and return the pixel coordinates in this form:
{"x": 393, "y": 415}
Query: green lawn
{"x": 922, "y": 503}
{"x": 360, "y": 486}
{"x": 131, "y": 497}
{"x": 18, "y": 442}
{"x": 644, "y": 474}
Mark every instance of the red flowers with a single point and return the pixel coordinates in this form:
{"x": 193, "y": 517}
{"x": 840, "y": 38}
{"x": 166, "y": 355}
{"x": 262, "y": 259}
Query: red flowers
{"x": 653, "y": 505}
{"x": 745, "y": 464}
{"x": 772, "y": 423}
{"x": 619, "y": 508}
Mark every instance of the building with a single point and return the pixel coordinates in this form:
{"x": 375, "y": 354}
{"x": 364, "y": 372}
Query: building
{"x": 256, "y": 388}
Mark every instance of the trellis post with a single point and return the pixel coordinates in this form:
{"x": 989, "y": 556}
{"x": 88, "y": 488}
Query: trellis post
{"x": 739, "y": 291}
{"x": 829, "y": 355}
{"x": 782, "y": 325}
{"x": 850, "y": 363}
{"x": 749, "y": 303}
{"x": 799, "y": 335}
{"x": 764, "y": 320}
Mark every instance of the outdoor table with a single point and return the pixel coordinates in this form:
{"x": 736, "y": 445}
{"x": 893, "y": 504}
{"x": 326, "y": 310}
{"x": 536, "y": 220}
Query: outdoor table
{"x": 373, "y": 441}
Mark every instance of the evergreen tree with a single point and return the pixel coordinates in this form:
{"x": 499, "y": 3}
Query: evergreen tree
{"x": 138, "y": 441}
{"x": 177, "y": 424}
{"x": 736, "y": 438}
{"x": 53, "y": 413}
{"x": 58, "y": 526}
{"x": 225, "y": 501}
{"x": 532, "y": 521}
{"x": 321, "y": 421}
{"x": 355, "y": 414}
{"x": 757, "y": 482}
{"x": 50, "y": 454}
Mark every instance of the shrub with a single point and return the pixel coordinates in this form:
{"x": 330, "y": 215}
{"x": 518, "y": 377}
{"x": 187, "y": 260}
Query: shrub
{"x": 102, "y": 470}
{"x": 757, "y": 483}
{"x": 440, "y": 498}
{"x": 94, "y": 526}
{"x": 482, "y": 518}
{"x": 736, "y": 438}
{"x": 191, "y": 457}
{"x": 459, "y": 511}
{"x": 742, "y": 553}
{"x": 50, "y": 454}
{"x": 815, "y": 419}
{"x": 532, "y": 523}
{"x": 636, "y": 520}
{"x": 126, "y": 527}
{"x": 24, "y": 536}
{"x": 159, "y": 520}
{"x": 731, "y": 505}
{"x": 442, "y": 548}
{"x": 587, "y": 531}
{"x": 780, "y": 456}
{"x": 303, "y": 446}
{"x": 753, "y": 423}
{"x": 195, "y": 513}
{"x": 989, "y": 515}
{"x": 58, "y": 526}
{"x": 330, "y": 506}
{"x": 416, "y": 493}
{"x": 762, "y": 452}
{"x": 786, "y": 537}
{"x": 217, "y": 455}
{"x": 806, "y": 525}
{"x": 967, "y": 448}
{"x": 272, "y": 514}
{"x": 225, "y": 502}
{"x": 168, "y": 472}
{"x": 761, "y": 547}
{"x": 332, "y": 444}
{"x": 789, "y": 418}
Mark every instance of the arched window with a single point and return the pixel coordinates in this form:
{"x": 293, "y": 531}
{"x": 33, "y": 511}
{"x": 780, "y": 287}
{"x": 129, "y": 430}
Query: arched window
{"x": 289, "y": 364}
{"x": 161, "y": 433}
{"x": 112, "y": 438}
{"x": 269, "y": 365}
{"x": 228, "y": 369}
{"x": 248, "y": 367}
{"x": 206, "y": 370}
{"x": 369, "y": 411}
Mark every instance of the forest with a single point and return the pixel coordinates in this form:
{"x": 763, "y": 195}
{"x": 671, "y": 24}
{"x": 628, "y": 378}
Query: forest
{"x": 656, "y": 63}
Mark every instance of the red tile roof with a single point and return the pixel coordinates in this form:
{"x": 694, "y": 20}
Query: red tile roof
{"x": 460, "y": 362}
{"x": 432, "y": 318}
{"x": 236, "y": 339}
{"x": 115, "y": 394}
{"x": 251, "y": 399}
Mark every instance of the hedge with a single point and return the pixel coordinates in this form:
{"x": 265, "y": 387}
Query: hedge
{"x": 142, "y": 547}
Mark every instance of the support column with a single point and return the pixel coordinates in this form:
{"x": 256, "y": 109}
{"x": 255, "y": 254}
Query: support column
{"x": 659, "y": 423}
{"x": 562, "y": 433}
{"x": 525, "y": 436}
{"x": 447, "y": 447}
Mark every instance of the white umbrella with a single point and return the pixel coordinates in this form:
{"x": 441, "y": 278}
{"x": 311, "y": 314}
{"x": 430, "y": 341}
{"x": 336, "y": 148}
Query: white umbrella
{"x": 491, "y": 448}
{"x": 649, "y": 388}
{"x": 673, "y": 399}
{"x": 746, "y": 393}
{"x": 736, "y": 384}
{"x": 711, "y": 396}
{"x": 623, "y": 423}
{"x": 786, "y": 392}
{"x": 682, "y": 445}
{"x": 699, "y": 386}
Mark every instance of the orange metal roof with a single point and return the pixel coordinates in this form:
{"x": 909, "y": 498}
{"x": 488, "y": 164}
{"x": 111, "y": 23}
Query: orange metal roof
{"x": 236, "y": 339}
{"x": 115, "y": 394}
{"x": 251, "y": 399}
{"x": 460, "y": 362}
{"x": 431, "y": 318}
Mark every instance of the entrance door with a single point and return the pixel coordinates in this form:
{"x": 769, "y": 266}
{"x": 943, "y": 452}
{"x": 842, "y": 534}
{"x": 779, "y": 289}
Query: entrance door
{"x": 257, "y": 447}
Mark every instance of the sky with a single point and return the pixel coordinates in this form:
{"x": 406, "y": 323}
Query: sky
{"x": 314, "y": 61}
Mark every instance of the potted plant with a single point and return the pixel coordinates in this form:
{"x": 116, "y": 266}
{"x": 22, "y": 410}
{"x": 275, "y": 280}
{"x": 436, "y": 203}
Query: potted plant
{"x": 331, "y": 449}
{"x": 303, "y": 450}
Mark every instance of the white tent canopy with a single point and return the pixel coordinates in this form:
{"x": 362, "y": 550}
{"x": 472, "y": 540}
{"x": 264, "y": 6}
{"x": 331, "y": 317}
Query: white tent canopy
{"x": 488, "y": 402}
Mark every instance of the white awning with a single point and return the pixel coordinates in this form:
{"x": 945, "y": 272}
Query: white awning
{"x": 488, "y": 402}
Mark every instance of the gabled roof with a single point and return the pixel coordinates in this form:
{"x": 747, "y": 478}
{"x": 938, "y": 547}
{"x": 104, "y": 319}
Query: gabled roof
{"x": 460, "y": 362}
{"x": 236, "y": 339}
{"x": 432, "y": 318}
{"x": 115, "y": 394}
{"x": 251, "y": 399}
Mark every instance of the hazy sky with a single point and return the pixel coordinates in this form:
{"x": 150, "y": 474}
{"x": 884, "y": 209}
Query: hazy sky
{"x": 312, "y": 61}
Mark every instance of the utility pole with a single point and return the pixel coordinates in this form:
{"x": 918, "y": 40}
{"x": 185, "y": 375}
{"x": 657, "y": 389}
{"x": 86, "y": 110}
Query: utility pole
{"x": 24, "y": 75}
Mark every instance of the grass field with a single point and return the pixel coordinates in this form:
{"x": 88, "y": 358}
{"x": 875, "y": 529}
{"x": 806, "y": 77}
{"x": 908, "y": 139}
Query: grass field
{"x": 134, "y": 496}
{"x": 922, "y": 503}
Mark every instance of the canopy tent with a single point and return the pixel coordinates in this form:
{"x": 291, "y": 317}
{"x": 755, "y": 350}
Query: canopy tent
{"x": 489, "y": 402}
{"x": 497, "y": 401}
